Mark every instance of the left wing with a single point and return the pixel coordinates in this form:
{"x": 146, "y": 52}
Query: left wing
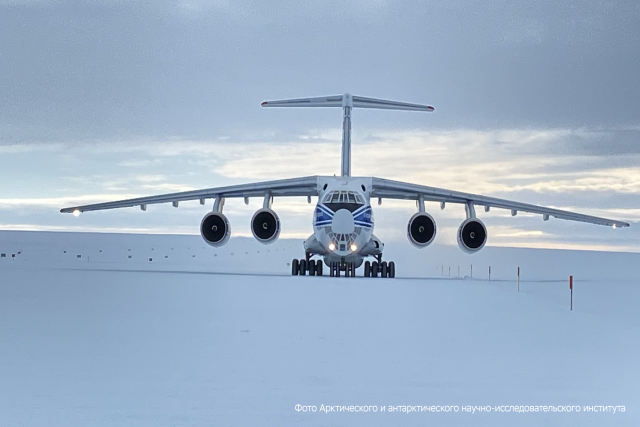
{"x": 307, "y": 186}
{"x": 388, "y": 189}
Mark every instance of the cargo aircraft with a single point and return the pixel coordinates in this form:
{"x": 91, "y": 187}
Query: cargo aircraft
{"x": 343, "y": 220}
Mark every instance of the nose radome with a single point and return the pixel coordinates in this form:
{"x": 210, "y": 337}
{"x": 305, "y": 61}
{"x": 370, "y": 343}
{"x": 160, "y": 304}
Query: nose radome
{"x": 342, "y": 222}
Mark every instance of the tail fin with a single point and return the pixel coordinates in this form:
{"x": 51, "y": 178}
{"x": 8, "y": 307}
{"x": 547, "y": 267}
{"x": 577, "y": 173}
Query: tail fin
{"x": 347, "y": 102}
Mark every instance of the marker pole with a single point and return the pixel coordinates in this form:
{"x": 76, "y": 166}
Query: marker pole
{"x": 489, "y": 273}
{"x": 518, "y": 279}
{"x": 571, "y": 287}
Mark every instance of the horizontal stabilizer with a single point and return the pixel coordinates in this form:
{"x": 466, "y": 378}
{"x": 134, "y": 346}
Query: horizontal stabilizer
{"x": 321, "y": 101}
{"x": 347, "y": 100}
{"x": 383, "y": 104}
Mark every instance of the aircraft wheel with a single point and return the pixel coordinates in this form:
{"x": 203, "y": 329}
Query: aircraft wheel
{"x": 353, "y": 269}
{"x": 319, "y": 268}
{"x": 312, "y": 267}
{"x": 367, "y": 269}
{"x": 383, "y": 269}
{"x": 391, "y": 269}
{"x": 374, "y": 269}
{"x": 336, "y": 265}
{"x": 295, "y": 267}
{"x": 303, "y": 267}
{"x": 331, "y": 270}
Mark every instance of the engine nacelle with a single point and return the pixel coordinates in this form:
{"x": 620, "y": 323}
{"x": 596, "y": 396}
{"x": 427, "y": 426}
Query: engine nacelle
{"x": 472, "y": 235}
{"x": 421, "y": 229}
{"x": 215, "y": 229}
{"x": 265, "y": 226}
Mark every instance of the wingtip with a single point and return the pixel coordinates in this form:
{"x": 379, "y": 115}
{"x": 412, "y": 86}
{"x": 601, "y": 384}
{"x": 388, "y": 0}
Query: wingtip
{"x": 431, "y": 108}
{"x": 263, "y": 103}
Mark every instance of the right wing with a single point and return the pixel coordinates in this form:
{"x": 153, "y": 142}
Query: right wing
{"x": 388, "y": 189}
{"x": 307, "y": 186}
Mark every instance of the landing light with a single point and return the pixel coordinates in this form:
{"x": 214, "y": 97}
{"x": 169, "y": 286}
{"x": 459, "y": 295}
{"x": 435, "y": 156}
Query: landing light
{"x": 76, "y": 212}
{"x": 332, "y": 246}
{"x": 614, "y": 226}
{"x": 353, "y": 247}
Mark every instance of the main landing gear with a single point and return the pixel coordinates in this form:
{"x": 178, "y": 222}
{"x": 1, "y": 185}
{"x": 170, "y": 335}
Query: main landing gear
{"x": 387, "y": 270}
{"x": 302, "y": 266}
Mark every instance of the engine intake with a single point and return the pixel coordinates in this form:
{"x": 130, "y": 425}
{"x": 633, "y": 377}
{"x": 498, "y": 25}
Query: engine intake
{"x": 472, "y": 235}
{"x": 265, "y": 226}
{"x": 421, "y": 229}
{"x": 215, "y": 229}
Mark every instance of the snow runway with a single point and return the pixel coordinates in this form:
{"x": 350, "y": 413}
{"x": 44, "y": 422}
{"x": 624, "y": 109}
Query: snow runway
{"x": 100, "y": 347}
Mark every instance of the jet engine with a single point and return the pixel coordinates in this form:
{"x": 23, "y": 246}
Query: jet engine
{"x": 472, "y": 235}
{"x": 215, "y": 229}
{"x": 265, "y": 226}
{"x": 421, "y": 229}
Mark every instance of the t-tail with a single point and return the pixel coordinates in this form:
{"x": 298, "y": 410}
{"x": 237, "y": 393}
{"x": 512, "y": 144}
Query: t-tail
{"x": 347, "y": 102}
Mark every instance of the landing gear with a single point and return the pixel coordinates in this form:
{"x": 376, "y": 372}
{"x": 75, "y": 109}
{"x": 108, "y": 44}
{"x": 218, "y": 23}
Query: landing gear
{"x": 312, "y": 268}
{"x": 301, "y": 266}
{"x": 335, "y": 269}
{"x": 350, "y": 269}
{"x": 380, "y": 267}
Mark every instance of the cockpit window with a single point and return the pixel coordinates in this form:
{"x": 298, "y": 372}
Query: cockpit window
{"x": 349, "y": 200}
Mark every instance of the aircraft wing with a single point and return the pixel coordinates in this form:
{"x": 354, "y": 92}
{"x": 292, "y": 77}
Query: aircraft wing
{"x": 306, "y": 186}
{"x": 388, "y": 189}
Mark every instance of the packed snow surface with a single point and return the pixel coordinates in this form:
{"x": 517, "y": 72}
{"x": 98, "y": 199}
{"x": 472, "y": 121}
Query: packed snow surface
{"x": 105, "y": 330}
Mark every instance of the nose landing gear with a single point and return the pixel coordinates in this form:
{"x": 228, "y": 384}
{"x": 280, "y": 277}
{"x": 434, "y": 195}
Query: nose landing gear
{"x": 349, "y": 269}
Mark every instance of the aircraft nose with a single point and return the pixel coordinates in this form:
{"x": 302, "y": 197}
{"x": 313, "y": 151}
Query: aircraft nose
{"x": 342, "y": 222}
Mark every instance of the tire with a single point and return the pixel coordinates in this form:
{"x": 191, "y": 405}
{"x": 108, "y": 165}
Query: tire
{"x": 374, "y": 269}
{"x": 367, "y": 269}
{"x": 347, "y": 272}
{"x": 312, "y": 267}
{"x": 303, "y": 267}
{"x": 383, "y": 269}
{"x": 353, "y": 269}
{"x": 295, "y": 267}
{"x": 319, "y": 268}
{"x": 331, "y": 270}
{"x": 392, "y": 269}
{"x": 337, "y": 268}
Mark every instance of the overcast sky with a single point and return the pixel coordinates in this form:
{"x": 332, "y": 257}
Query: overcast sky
{"x": 536, "y": 102}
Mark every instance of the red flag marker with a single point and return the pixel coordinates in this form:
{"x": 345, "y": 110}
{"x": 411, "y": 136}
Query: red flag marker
{"x": 571, "y": 287}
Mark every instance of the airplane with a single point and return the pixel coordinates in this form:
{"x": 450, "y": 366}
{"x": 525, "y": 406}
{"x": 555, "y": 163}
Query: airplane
{"x": 343, "y": 220}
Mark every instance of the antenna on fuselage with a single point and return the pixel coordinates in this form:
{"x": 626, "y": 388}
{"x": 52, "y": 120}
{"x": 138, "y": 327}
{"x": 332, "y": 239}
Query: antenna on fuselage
{"x": 347, "y": 102}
